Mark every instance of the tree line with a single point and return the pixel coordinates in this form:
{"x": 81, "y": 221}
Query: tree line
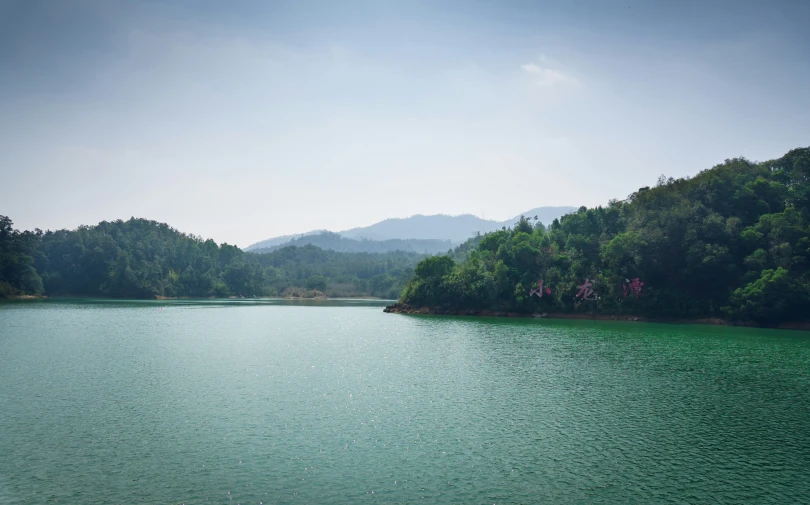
{"x": 140, "y": 258}
{"x": 731, "y": 242}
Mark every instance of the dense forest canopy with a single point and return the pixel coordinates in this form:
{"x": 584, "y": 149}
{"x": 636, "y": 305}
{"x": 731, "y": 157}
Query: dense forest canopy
{"x": 143, "y": 259}
{"x": 383, "y": 275}
{"x": 733, "y": 241}
{"x": 17, "y": 251}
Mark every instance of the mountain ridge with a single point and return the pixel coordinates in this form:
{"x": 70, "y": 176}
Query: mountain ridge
{"x": 338, "y": 243}
{"x": 438, "y": 227}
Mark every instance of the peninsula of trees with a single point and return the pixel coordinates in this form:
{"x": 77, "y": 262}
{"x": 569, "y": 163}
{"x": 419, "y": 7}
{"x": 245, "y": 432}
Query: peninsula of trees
{"x": 732, "y": 242}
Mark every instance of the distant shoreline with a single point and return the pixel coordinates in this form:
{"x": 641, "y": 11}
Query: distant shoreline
{"x": 163, "y": 298}
{"x": 399, "y": 308}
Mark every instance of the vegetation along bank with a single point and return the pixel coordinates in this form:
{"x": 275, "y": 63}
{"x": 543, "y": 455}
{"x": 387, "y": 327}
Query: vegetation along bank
{"x": 732, "y": 242}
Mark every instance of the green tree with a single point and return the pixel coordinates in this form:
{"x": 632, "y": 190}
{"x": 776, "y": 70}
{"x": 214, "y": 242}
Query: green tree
{"x": 318, "y": 282}
{"x": 17, "y": 250}
{"x": 775, "y": 296}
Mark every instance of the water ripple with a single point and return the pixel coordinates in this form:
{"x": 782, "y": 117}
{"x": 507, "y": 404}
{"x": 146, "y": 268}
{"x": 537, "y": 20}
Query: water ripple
{"x": 105, "y": 403}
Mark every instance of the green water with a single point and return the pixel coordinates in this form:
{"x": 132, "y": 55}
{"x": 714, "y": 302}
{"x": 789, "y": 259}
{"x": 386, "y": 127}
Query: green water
{"x": 105, "y": 402}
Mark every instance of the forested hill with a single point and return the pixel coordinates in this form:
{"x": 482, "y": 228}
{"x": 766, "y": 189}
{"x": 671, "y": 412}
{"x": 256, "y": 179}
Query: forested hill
{"x": 143, "y": 259}
{"x": 731, "y": 242}
{"x": 335, "y": 242}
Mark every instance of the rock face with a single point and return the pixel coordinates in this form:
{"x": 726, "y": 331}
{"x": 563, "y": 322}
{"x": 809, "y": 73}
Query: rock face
{"x": 401, "y": 308}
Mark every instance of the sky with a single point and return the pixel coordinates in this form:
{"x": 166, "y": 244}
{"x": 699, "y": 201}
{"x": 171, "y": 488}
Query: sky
{"x": 244, "y": 120}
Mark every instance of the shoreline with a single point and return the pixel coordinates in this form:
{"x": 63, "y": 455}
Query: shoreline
{"x": 398, "y": 308}
{"x": 169, "y": 298}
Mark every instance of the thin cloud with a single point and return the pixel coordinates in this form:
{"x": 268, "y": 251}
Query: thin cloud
{"x": 546, "y": 76}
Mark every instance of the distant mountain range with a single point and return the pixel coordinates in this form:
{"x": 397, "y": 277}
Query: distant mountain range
{"x": 423, "y": 234}
{"x": 275, "y": 242}
{"x": 339, "y": 243}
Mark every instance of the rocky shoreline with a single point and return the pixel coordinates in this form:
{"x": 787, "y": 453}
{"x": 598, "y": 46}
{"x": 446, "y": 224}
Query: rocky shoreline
{"x": 399, "y": 308}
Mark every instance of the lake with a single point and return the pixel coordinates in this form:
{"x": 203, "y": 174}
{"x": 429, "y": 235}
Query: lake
{"x": 274, "y": 402}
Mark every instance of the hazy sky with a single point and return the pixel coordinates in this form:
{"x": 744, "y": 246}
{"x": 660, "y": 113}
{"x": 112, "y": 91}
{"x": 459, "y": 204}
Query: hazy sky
{"x": 240, "y": 121}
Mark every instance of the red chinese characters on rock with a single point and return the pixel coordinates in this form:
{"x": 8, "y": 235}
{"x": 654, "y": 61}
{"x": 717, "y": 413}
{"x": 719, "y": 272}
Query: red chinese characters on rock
{"x": 586, "y": 290}
{"x": 539, "y": 290}
{"x": 633, "y": 286}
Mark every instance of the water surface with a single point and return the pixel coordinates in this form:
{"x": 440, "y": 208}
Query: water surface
{"x": 321, "y": 402}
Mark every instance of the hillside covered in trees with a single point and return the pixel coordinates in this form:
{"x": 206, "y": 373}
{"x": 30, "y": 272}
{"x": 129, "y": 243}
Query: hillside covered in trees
{"x": 339, "y": 243}
{"x": 731, "y": 242}
{"x": 143, "y": 259}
